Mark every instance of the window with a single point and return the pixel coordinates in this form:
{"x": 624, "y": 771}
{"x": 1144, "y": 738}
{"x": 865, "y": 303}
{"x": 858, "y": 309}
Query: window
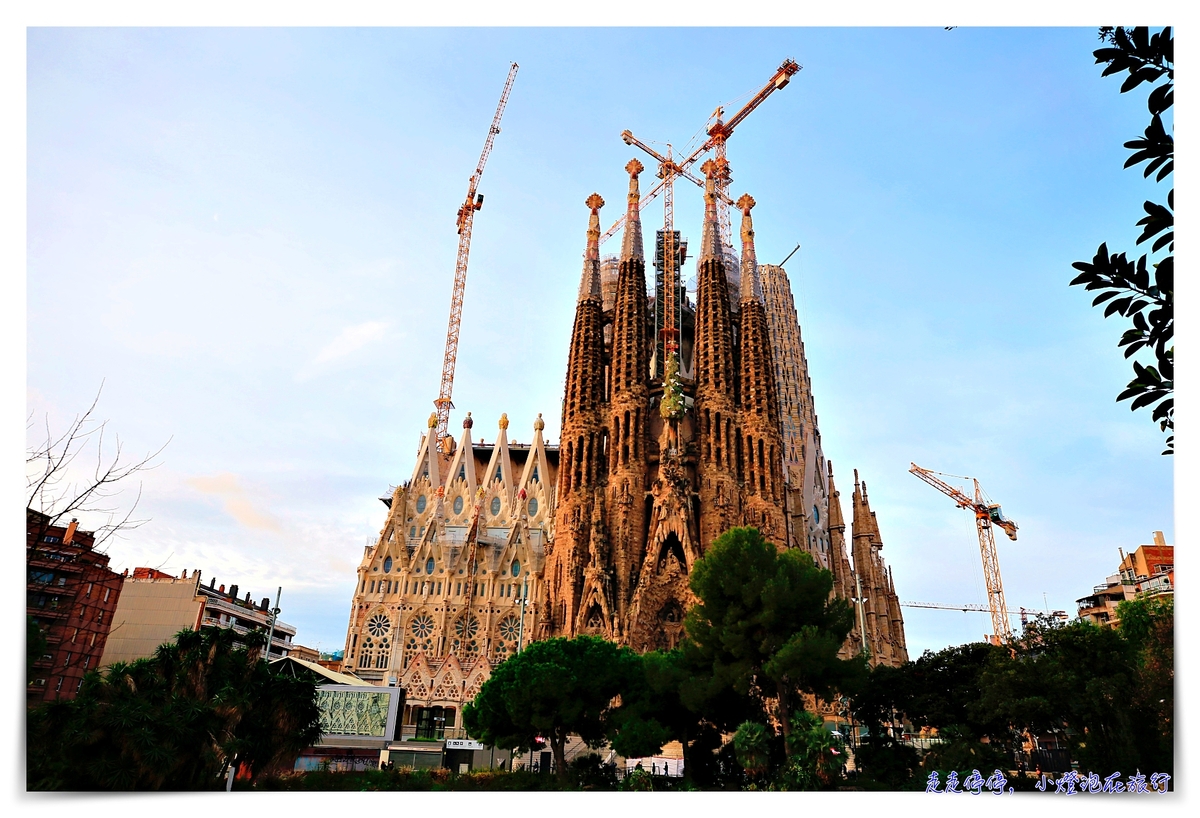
{"x": 41, "y": 577}
{"x": 372, "y": 586}
{"x": 533, "y": 506}
{"x": 107, "y": 591}
{"x": 429, "y": 566}
{"x": 57, "y": 687}
{"x": 458, "y": 505}
{"x": 67, "y": 663}
{"x": 516, "y": 568}
{"x": 50, "y": 539}
{"x": 387, "y": 565}
{"x": 87, "y": 660}
{"x": 495, "y": 506}
{"x": 533, "y": 478}
{"x": 462, "y": 472}
{"x": 816, "y": 515}
{"x": 412, "y": 532}
{"x": 421, "y": 503}
{"x": 498, "y": 476}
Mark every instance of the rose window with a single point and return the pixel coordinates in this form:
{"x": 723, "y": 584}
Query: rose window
{"x": 422, "y": 626}
{"x": 510, "y": 629}
{"x": 378, "y": 625}
{"x": 466, "y": 627}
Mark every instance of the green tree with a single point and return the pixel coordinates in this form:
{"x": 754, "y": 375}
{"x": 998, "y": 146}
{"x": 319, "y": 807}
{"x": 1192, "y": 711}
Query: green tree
{"x": 1148, "y": 625}
{"x": 174, "y": 721}
{"x": 1144, "y": 291}
{"x": 815, "y": 756}
{"x": 552, "y": 689}
{"x": 752, "y": 743}
{"x": 767, "y": 625}
{"x": 1079, "y": 681}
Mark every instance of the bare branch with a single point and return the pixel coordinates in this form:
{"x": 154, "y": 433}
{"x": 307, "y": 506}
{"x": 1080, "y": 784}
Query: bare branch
{"x": 51, "y": 490}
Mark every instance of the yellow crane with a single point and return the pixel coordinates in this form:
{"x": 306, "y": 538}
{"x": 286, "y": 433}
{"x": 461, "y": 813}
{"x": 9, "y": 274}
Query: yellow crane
{"x": 466, "y": 217}
{"x": 987, "y": 514}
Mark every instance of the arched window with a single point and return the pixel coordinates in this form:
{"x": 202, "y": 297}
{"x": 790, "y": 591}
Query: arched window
{"x": 516, "y": 568}
{"x": 421, "y": 502}
{"x": 495, "y": 506}
{"x": 458, "y": 505}
{"x": 387, "y": 565}
{"x": 533, "y": 506}
{"x": 429, "y": 566}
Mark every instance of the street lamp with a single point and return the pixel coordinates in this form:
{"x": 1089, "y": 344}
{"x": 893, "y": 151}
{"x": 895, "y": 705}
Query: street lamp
{"x": 274, "y": 614}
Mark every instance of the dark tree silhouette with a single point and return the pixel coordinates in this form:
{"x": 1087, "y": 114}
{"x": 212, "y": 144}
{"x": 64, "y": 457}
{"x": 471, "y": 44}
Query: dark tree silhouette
{"x": 1144, "y": 290}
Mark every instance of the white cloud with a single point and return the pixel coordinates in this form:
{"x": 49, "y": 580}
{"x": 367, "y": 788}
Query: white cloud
{"x": 350, "y": 340}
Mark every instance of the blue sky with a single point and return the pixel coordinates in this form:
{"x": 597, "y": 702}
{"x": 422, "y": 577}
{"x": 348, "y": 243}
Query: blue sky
{"x": 252, "y": 230}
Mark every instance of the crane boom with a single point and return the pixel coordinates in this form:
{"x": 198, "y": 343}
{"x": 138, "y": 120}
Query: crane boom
{"x": 985, "y": 515}
{"x": 718, "y": 133}
{"x": 465, "y": 219}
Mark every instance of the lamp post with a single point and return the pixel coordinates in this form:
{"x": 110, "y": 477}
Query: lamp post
{"x": 274, "y": 613}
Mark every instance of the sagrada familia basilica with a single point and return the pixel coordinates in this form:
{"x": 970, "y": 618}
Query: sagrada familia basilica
{"x": 664, "y": 446}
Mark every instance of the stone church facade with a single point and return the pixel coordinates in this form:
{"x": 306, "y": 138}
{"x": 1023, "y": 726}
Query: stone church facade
{"x": 489, "y": 546}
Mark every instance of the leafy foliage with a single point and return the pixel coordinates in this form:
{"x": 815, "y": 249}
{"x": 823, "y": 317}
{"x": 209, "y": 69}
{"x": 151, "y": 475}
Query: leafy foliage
{"x": 174, "y": 721}
{"x": 1083, "y": 682}
{"x": 963, "y": 752}
{"x": 552, "y": 689}
{"x": 766, "y": 625}
{"x": 884, "y": 763}
{"x": 751, "y": 742}
{"x": 816, "y": 756}
{"x": 1124, "y": 284}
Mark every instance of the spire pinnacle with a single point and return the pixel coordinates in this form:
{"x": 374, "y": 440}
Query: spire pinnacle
{"x": 589, "y": 284}
{"x": 711, "y": 237}
{"x": 751, "y": 286}
{"x": 631, "y": 244}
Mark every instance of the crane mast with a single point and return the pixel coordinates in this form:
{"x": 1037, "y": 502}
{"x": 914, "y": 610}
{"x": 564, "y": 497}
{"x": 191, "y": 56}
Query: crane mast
{"x": 465, "y": 219}
{"x": 985, "y": 515}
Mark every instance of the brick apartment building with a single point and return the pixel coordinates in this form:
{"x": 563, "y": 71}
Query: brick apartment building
{"x": 1148, "y": 571}
{"x": 71, "y": 595}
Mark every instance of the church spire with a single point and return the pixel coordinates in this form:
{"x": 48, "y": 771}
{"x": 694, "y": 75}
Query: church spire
{"x": 710, "y": 239}
{"x": 589, "y": 284}
{"x": 631, "y": 244}
{"x": 751, "y": 287}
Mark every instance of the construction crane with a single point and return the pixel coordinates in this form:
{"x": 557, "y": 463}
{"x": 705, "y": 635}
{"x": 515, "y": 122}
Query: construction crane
{"x": 718, "y": 134}
{"x": 668, "y": 169}
{"x": 1022, "y": 612}
{"x": 466, "y": 217}
{"x": 987, "y": 514}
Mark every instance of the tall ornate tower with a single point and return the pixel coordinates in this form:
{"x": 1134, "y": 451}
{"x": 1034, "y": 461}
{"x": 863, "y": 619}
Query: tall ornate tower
{"x": 760, "y": 445}
{"x": 808, "y": 505}
{"x": 716, "y": 396}
{"x": 583, "y": 462}
{"x": 628, "y": 404}
{"x": 880, "y": 614}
